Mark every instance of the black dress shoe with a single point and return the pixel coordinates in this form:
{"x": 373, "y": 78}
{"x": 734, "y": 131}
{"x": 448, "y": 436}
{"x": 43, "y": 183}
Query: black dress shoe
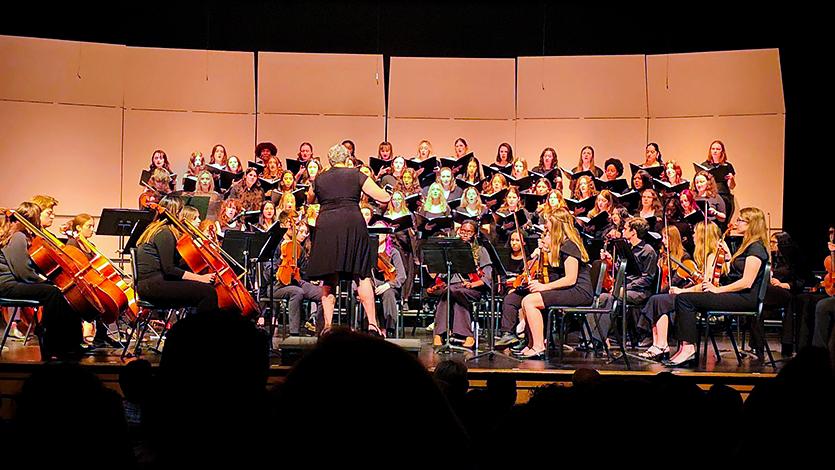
{"x": 540, "y": 356}
{"x": 688, "y": 363}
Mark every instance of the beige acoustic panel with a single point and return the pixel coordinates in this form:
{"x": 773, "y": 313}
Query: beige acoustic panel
{"x": 72, "y": 153}
{"x": 61, "y": 71}
{"x": 583, "y": 86}
{"x": 620, "y": 138}
{"x": 452, "y": 88}
{"x": 754, "y": 145}
{"x": 483, "y": 136}
{"x": 341, "y": 84}
{"x": 179, "y": 134}
{"x": 287, "y": 132}
{"x": 192, "y": 80}
{"x": 715, "y": 83}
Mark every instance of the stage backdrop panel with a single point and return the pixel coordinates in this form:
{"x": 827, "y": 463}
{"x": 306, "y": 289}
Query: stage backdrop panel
{"x": 441, "y": 99}
{"x": 715, "y": 83}
{"x": 322, "y": 99}
{"x": 754, "y": 145}
{"x": 620, "y": 138}
{"x": 582, "y": 86}
{"x": 330, "y": 84}
{"x": 189, "y": 80}
{"x": 69, "y": 152}
{"x": 61, "y": 71}
{"x": 179, "y": 134}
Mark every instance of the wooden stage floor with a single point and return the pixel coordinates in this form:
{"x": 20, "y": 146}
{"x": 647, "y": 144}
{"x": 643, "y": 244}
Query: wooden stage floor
{"x": 18, "y": 361}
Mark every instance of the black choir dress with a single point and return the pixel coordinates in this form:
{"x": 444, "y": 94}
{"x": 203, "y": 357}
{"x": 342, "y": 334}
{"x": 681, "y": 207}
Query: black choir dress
{"x": 340, "y": 240}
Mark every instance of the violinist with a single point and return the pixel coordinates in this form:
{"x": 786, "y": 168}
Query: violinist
{"x": 297, "y": 289}
{"x": 639, "y": 287}
{"x": 159, "y": 160}
{"x": 464, "y": 290}
{"x": 512, "y": 302}
{"x": 388, "y": 274}
{"x": 568, "y": 283}
{"x": 158, "y": 187}
{"x": 248, "y": 191}
{"x": 267, "y": 217}
{"x": 160, "y": 278}
{"x": 659, "y": 307}
{"x": 228, "y": 211}
{"x": 61, "y": 325}
{"x": 747, "y": 266}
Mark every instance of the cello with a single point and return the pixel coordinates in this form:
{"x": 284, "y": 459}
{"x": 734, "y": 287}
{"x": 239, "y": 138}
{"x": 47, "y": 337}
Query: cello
{"x": 828, "y": 282}
{"x": 87, "y": 292}
{"x": 102, "y": 264}
{"x": 202, "y": 255}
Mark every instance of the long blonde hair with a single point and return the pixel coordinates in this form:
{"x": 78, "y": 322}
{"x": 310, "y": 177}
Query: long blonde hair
{"x": 561, "y": 227}
{"x": 705, "y": 240}
{"x": 674, "y": 242}
{"x": 427, "y": 204}
{"x": 757, "y": 230}
{"x": 31, "y": 211}
{"x": 174, "y": 205}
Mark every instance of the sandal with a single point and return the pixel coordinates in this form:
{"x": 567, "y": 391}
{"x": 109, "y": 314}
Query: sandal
{"x": 654, "y": 353}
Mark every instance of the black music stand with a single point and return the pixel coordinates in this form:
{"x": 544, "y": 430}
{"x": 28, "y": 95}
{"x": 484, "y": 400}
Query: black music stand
{"x": 453, "y": 256}
{"x": 498, "y": 272}
{"x": 267, "y": 254}
{"x": 623, "y": 248}
{"x": 122, "y": 223}
{"x": 240, "y": 245}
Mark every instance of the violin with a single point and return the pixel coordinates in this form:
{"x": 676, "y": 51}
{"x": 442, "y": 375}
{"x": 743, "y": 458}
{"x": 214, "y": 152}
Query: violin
{"x": 385, "y": 266}
{"x": 202, "y": 255}
{"x": 828, "y": 283}
{"x": 719, "y": 264}
{"x": 686, "y": 269}
{"x": 608, "y": 268}
{"x": 288, "y": 270}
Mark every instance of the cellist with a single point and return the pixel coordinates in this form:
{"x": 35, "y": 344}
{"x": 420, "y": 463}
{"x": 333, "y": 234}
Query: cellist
{"x": 295, "y": 288}
{"x": 160, "y": 279}
{"x": 61, "y": 335}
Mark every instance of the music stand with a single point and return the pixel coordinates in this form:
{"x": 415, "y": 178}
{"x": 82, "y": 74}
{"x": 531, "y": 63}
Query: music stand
{"x": 623, "y": 248}
{"x": 498, "y": 272}
{"x": 374, "y": 233}
{"x": 450, "y": 255}
{"x": 240, "y": 245}
{"x": 122, "y": 223}
{"x": 267, "y": 253}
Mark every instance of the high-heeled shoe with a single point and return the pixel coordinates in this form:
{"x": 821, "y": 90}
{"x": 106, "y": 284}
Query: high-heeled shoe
{"x": 688, "y": 363}
{"x": 536, "y": 356}
{"x": 654, "y": 353}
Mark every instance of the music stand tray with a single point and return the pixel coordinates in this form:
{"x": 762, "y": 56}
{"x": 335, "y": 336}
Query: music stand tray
{"x": 452, "y": 256}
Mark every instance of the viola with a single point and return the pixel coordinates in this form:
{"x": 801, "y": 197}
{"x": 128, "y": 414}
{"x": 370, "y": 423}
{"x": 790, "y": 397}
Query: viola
{"x": 202, "y": 255}
{"x": 829, "y": 264}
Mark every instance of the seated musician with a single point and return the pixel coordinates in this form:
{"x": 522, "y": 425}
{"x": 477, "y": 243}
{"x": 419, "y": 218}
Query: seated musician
{"x": 388, "y": 275}
{"x": 659, "y": 307}
{"x": 639, "y": 287}
{"x": 511, "y": 335}
{"x": 158, "y": 187}
{"x": 747, "y": 266}
{"x": 228, "y": 211}
{"x": 19, "y": 279}
{"x": 159, "y": 278}
{"x": 297, "y": 290}
{"x": 83, "y": 225}
{"x": 464, "y": 291}
{"x": 570, "y": 281}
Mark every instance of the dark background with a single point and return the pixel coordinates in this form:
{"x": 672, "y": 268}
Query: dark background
{"x": 501, "y": 29}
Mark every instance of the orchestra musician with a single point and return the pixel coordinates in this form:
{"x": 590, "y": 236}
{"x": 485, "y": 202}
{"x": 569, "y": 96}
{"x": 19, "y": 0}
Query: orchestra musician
{"x": 61, "y": 325}
{"x": 83, "y": 225}
{"x": 298, "y": 289}
{"x": 747, "y": 267}
{"x": 228, "y": 211}
{"x": 463, "y": 291}
{"x": 388, "y": 275}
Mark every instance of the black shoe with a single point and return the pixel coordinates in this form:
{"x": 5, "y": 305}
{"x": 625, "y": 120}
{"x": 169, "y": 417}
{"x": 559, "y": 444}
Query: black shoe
{"x": 688, "y": 363}
{"x": 540, "y": 356}
{"x": 518, "y": 347}
{"x": 786, "y": 349}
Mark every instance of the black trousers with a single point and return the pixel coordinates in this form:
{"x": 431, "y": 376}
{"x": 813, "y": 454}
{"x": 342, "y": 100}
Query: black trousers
{"x": 689, "y": 304}
{"x": 157, "y": 290}
{"x": 61, "y": 324}
{"x": 805, "y": 307}
{"x": 510, "y": 311}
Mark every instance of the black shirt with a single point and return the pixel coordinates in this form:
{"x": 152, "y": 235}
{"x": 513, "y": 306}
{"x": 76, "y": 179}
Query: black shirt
{"x": 648, "y": 261}
{"x": 159, "y": 257}
{"x": 756, "y": 249}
